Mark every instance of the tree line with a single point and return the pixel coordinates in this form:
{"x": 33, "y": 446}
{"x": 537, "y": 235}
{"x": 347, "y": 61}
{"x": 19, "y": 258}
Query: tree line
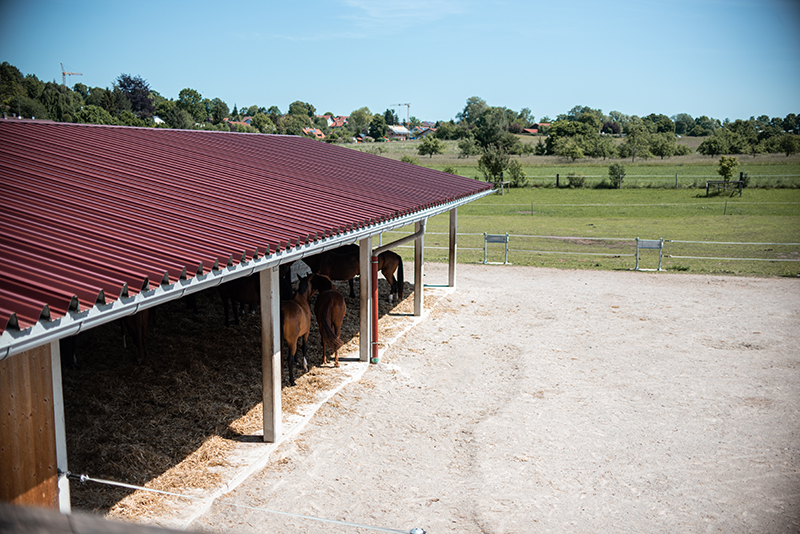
{"x": 491, "y": 132}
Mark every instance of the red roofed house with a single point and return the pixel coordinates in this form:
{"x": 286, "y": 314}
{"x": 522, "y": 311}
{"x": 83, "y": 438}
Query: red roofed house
{"x": 314, "y": 132}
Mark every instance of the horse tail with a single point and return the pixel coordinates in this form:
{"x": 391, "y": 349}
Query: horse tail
{"x": 400, "y": 282}
{"x": 326, "y": 331}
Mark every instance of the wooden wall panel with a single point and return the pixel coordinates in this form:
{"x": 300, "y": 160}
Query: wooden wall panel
{"x": 28, "y": 472}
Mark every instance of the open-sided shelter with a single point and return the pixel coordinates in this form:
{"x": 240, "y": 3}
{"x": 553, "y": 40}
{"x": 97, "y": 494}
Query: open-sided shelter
{"x": 100, "y": 222}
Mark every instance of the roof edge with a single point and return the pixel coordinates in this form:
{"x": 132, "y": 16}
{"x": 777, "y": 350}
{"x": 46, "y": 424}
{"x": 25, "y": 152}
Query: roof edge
{"x": 45, "y": 331}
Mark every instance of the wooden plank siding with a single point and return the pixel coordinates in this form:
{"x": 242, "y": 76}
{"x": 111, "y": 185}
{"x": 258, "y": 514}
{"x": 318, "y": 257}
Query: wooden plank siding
{"x": 28, "y": 468}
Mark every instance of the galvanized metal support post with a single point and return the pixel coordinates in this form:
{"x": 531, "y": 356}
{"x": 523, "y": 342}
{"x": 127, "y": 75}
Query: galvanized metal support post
{"x": 64, "y": 505}
{"x": 451, "y": 278}
{"x": 419, "y": 259}
{"x": 365, "y": 297}
{"x": 271, "y": 368}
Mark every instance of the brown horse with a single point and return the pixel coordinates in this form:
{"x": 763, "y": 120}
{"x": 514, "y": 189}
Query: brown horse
{"x": 296, "y": 324}
{"x": 136, "y": 326}
{"x": 343, "y": 264}
{"x": 247, "y": 290}
{"x": 241, "y": 291}
{"x": 388, "y": 263}
{"x": 329, "y": 310}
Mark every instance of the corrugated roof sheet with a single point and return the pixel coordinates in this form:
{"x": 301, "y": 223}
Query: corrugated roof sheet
{"x": 89, "y": 212}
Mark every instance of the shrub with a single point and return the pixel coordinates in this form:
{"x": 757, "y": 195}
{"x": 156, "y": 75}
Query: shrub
{"x": 616, "y": 173}
{"x": 576, "y": 180}
{"x": 727, "y": 166}
{"x": 449, "y": 169}
{"x": 518, "y": 178}
{"x": 493, "y": 162}
{"x": 410, "y": 159}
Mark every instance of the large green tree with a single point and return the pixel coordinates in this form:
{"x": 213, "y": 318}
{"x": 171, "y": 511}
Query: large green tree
{"x": 473, "y": 110}
{"x": 378, "y": 127}
{"x": 303, "y": 109}
{"x": 568, "y": 147}
{"x": 683, "y": 123}
{"x": 191, "y": 101}
{"x": 359, "y": 120}
{"x": 430, "y": 146}
{"x": 262, "y": 122}
{"x": 390, "y": 117}
{"x": 137, "y": 91}
{"x": 663, "y": 145}
{"x": 178, "y": 118}
{"x": 637, "y": 140}
{"x": 219, "y": 111}
{"x": 94, "y": 115}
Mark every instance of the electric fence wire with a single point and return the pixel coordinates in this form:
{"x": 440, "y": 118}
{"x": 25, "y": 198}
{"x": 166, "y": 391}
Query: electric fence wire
{"x": 86, "y": 478}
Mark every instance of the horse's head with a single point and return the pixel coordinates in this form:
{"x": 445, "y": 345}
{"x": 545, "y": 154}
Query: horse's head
{"x": 304, "y": 288}
{"x": 320, "y": 282}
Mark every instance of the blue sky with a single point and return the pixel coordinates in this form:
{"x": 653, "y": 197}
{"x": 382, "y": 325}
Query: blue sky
{"x": 721, "y": 58}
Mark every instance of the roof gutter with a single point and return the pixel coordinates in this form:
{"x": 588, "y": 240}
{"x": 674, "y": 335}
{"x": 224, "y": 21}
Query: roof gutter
{"x": 45, "y": 331}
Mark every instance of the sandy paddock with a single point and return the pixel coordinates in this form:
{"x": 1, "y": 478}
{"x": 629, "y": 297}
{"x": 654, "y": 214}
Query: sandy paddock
{"x": 542, "y": 400}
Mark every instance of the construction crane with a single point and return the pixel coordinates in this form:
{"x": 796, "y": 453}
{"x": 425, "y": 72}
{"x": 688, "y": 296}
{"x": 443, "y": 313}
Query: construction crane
{"x": 65, "y": 73}
{"x": 408, "y": 111}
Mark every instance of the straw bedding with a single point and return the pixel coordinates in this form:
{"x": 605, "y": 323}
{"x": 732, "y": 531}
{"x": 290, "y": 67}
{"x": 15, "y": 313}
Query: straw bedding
{"x": 169, "y": 422}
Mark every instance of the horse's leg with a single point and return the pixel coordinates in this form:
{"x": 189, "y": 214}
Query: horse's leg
{"x": 352, "y": 288}
{"x": 337, "y": 329}
{"x": 388, "y": 273}
{"x": 305, "y": 345}
{"x": 141, "y": 328}
{"x": 290, "y": 363}
{"x": 236, "y": 308}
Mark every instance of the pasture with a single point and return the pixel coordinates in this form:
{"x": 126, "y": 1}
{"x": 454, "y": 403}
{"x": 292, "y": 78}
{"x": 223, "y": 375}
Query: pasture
{"x": 691, "y": 171}
{"x": 609, "y": 220}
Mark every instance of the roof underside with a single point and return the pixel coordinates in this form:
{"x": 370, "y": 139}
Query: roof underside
{"x": 91, "y": 214}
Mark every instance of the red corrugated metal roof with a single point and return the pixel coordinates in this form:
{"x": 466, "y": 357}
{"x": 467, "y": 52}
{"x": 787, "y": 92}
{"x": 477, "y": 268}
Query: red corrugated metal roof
{"x": 89, "y": 211}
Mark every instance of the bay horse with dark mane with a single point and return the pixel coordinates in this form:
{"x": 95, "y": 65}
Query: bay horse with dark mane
{"x": 343, "y": 264}
{"x": 296, "y": 324}
{"x": 329, "y": 310}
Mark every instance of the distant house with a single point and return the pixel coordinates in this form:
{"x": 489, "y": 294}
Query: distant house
{"x": 542, "y": 127}
{"x": 338, "y": 122}
{"x": 531, "y": 131}
{"x": 233, "y": 124}
{"x": 398, "y": 132}
{"x": 313, "y": 132}
{"x": 421, "y": 131}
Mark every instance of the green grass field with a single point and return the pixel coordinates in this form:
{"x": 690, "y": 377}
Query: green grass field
{"x": 692, "y": 171}
{"x": 608, "y": 221}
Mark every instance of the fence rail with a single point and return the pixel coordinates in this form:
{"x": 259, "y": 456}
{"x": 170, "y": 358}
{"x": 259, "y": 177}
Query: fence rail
{"x": 619, "y": 247}
{"x": 675, "y": 180}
